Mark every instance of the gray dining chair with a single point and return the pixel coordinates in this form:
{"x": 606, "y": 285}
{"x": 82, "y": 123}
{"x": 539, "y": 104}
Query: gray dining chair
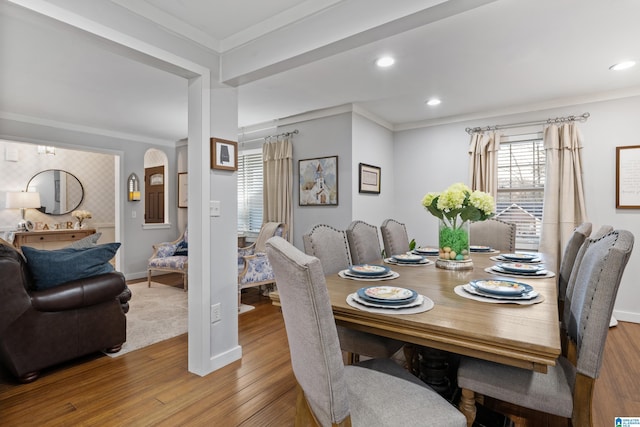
{"x": 364, "y": 242}
{"x": 580, "y": 233}
{"x": 377, "y": 392}
{"x": 566, "y": 390}
{"x": 394, "y": 237}
{"x": 331, "y": 247}
{"x": 498, "y": 234}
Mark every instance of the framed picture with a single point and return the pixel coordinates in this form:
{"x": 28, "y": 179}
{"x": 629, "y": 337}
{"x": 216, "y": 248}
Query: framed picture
{"x": 224, "y": 154}
{"x": 183, "y": 190}
{"x": 628, "y": 177}
{"x": 369, "y": 179}
{"x": 318, "y": 181}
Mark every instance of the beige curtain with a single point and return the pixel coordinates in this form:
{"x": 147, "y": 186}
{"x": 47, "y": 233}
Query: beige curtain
{"x": 278, "y": 182}
{"x": 483, "y": 173}
{"x": 564, "y": 204}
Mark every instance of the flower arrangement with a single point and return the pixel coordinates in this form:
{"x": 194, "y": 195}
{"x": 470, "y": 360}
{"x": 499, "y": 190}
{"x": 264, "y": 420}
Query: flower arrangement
{"x": 455, "y": 207}
{"x": 81, "y": 215}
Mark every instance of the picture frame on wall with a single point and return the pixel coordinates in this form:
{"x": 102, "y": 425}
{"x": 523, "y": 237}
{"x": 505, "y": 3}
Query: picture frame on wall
{"x": 369, "y": 179}
{"x": 183, "y": 190}
{"x": 224, "y": 154}
{"x": 628, "y": 177}
{"x": 318, "y": 181}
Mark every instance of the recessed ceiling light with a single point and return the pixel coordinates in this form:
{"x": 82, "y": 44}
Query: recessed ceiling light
{"x": 622, "y": 65}
{"x": 433, "y": 102}
{"x": 385, "y": 61}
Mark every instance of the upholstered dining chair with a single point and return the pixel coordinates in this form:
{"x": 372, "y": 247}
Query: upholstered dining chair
{"x": 580, "y": 233}
{"x": 566, "y": 390}
{"x": 253, "y": 266}
{"x": 394, "y": 237}
{"x": 377, "y": 392}
{"x": 364, "y": 242}
{"x": 331, "y": 247}
{"x": 171, "y": 257}
{"x": 498, "y": 234}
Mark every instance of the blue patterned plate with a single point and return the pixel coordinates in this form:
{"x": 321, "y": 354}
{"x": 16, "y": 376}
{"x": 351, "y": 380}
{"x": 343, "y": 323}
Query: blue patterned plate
{"x": 501, "y": 287}
{"x": 369, "y": 270}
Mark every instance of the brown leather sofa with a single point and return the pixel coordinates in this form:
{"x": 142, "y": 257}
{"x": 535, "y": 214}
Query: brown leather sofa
{"x": 39, "y": 329}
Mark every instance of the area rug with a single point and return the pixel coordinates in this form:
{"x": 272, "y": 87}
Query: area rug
{"x": 155, "y": 314}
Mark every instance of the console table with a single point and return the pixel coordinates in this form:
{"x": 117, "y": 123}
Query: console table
{"x": 51, "y": 239}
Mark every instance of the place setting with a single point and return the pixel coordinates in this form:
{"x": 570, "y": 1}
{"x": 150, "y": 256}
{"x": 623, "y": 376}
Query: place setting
{"x": 478, "y": 249}
{"x": 389, "y": 299}
{"x": 426, "y": 251}
{"x": 516, "y": 257}
{"x": 520, "y": 269}
{"x": 368, "y": 272}
{"x": 410, "y": 259}
{"x": 499, "y": 291}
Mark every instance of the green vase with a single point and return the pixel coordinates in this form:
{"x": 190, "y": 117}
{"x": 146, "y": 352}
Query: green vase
{"x": 453, "y": 240}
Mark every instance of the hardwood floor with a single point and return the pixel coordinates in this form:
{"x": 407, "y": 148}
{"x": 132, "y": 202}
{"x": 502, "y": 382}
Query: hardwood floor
{"x": 152, "y": 386}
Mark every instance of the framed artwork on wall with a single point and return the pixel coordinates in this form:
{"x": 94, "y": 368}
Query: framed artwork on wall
{"x": 318, "y": 181}
{"x": 224, "y": 154}
{"x": 183, "y": 190}
{"x": 369, "y": 179}
{"x": 628, "y": 177}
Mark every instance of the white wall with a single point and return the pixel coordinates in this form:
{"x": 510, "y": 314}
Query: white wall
{"x": 372, "y": 144}
{"x": 432, "y": 158}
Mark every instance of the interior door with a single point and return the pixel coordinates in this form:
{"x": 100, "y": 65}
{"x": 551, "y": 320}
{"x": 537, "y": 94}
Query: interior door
{"x": 154, "y": 195}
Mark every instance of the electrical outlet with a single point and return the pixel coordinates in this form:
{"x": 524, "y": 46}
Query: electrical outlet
{"x": 215, "y": 313}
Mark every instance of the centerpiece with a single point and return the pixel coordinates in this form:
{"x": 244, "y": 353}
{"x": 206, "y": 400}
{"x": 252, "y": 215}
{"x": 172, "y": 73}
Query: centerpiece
{"x": 456, "y": 207}
{"x": 80, "y": 215}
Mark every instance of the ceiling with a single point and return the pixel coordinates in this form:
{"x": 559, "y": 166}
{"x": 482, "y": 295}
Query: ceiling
{"x": 287, "y": 57}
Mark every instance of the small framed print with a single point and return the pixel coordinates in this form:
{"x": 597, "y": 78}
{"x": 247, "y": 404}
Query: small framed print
{"x": 224, "y": 154}
{"x": 628, "y": 177}
{"x": 369, "y": 179}
{"x": 183, "y": 190}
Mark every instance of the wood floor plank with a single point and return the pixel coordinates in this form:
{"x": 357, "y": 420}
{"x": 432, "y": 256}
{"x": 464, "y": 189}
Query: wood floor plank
{"x": 151, "y": 386}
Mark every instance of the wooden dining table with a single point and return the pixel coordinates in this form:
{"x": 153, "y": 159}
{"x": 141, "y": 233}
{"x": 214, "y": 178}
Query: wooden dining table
{"x": 526, "y": 336}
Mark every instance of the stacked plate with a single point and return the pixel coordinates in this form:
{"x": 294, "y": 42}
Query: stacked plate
{"x": 387, "y": 297}
{"x": 520, "y": 269}
{"x": 480, "y": 249}
{"x": 368, "y": 272}
{"x": 500, "y": 289}
{"x": 426, "y": 251}
{"x": 522, "y": 258}
{"x": 412, "y": 259}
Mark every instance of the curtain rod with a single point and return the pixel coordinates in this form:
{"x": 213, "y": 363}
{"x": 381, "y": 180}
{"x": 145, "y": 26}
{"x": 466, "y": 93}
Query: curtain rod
{"x": 267, "y": 138}
{"x": 581, "y": 118}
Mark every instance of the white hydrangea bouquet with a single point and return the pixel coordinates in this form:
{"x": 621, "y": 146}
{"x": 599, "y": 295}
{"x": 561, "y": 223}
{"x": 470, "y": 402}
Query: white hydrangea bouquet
{"x": 81, "y": 215}
{"x": 455, "y": 208}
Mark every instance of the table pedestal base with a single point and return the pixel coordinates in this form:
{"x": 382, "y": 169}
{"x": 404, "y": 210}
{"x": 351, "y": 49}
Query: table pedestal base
{"x": 466, "y": 264}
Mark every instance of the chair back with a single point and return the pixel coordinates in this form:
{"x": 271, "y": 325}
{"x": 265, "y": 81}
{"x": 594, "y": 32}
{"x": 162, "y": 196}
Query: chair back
{"x": 330, "y": 246}
{"x": 594, "y": 286}
{"x": 316, "y": 357}
{"x": 394, "y": 237}
{"x": 267, "y": 231}
{"x": 495, "y": 233}
{"x": 569, "y": 257}
{"x": 364, "y": 242}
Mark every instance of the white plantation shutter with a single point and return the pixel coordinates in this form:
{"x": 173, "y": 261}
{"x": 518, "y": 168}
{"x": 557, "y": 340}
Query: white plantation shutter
{"x": 250, "y": 192}
{"x": 521, "y": 179}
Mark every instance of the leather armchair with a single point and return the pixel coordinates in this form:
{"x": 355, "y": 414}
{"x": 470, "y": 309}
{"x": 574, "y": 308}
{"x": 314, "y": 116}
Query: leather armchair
{"x": 39, "y": 329}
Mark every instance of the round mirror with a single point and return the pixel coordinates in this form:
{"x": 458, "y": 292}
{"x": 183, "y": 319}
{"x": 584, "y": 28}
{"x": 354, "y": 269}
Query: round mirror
{"x": 60, "y": 191}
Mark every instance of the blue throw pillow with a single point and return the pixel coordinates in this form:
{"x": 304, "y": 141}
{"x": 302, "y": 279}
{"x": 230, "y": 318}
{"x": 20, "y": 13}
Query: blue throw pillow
{"x": 182, "y": 249}
{"x": 52, "y": 268}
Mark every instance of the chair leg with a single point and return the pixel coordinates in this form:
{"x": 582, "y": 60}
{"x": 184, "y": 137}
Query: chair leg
{"x": 468, "y": 406}
{"x": 149, "y": 278}
{"x": 184, "y": 281}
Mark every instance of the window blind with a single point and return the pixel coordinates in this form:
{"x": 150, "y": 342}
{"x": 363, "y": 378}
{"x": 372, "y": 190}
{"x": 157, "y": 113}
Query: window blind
{"x": 520, "y": 198}
{"x": 250, "y": 192}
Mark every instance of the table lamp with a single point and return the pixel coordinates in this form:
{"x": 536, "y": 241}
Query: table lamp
{"x": 22, "y": 200}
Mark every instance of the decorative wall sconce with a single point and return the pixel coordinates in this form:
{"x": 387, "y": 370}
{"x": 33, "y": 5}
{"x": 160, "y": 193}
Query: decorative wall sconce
{"x": 133, "y": 188}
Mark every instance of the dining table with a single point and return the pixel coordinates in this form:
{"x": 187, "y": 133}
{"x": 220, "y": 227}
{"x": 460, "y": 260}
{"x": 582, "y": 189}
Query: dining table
{"x": 521, "y": 335}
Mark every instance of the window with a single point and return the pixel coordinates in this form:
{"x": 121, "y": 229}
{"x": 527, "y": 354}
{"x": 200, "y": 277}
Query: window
{"x": 521, "y": 178}
{"x": 250, "y": 192}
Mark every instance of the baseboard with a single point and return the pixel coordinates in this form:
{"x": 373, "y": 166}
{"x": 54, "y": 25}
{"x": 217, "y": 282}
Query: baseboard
{"x": 627, "y": 316}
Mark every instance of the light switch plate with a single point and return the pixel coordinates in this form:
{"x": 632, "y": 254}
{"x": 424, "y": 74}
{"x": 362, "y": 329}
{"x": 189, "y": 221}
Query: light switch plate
{"x": 214, "y": 208}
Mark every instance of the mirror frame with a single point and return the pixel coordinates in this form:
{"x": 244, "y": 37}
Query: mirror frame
{"x": 69, "y": 210}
